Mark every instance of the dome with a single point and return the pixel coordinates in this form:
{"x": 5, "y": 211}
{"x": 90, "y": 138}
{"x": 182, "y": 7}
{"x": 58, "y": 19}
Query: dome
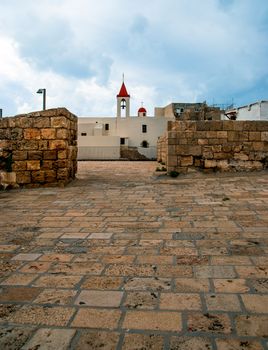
{"x": 142, "y": 110}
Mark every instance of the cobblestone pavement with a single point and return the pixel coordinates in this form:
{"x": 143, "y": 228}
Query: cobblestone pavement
{"x": 125, "y": 259}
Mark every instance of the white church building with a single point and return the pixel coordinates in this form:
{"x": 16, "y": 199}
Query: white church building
{"x": 107, "y": 138}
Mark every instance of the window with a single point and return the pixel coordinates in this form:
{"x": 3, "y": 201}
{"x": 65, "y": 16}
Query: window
{"x": 144, "y": 128}
{"x": 107, "y": 127}
{"x": 122, "y": 141}
{"x": 83, "y": 134}
{"x": 144, "y": 144}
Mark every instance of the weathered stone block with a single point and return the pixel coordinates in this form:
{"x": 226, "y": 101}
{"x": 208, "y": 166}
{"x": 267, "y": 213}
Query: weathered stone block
{"x": 258, "y": 146}
{"x": 32, "y": 134}
{"x": 226, "y": 148}
{"x": 208, "y": 155}
{"x": 50, "y": 176}
{"x": 23, "y": 177}
{"x": 203, "y": 125}
{"x": 38, "y": 176}
{"x": 41, "y": 122}
{"x": 63, "y": 134}
{"x": 47, "y": 164}
{"x": 63, "y": 154}
{"x": 264, "y": 136}
{"x": 172, "y": 161}
{"x": 48, "y": 134}
{"x": 60, "y": 122}
{"x": 223, "y": 165}
{"x": 186, "y": 161}
{"x": 210, "y": 163}
{"x": 62, "y": 174}
{"x": 216, "y": 148}
{"x": 222, "y": 134}
{"x": 16, "y": 134}
{"x": 19, "y": 155}
{"x": 202, "y": 142}
{"x": 35, "y": 155}
{"x": 254, "y": 136}
{"x": 43, "y": 145}
{"x": 58, "y": 144}
{"x": 19, "y": 165}
{"x": 7, "y": 178}
{"x": 24, "y": 122}
{"x": 33, "y": 164}
{"x": 211, "y": 134}
{"x": 50, "y": 154}
{"x": 241, "y": 156}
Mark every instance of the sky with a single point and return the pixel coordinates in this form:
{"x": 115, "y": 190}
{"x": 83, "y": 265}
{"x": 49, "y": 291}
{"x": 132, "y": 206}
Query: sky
{"x": 168, "y": 50}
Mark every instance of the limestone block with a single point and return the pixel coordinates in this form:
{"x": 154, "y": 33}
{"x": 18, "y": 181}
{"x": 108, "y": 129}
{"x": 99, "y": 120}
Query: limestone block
{"x": 41, "y": 122}
{"x": 195, "y": 150}
{"x": 208, "y": 154}
{"x": 50, "y": 154}
{"x": 249, "y": 126}
{"x": 202, "y": 142}
{"x": 38, "y": 176}
{"x": 261, "y": 125}
{"x": 172, "y": 161}
{"x": 12, "y": 122}
{"x": 48, "y": 134}
{"x": 43, "y": 145}
{"x": 50, "y": 176}
{"x": 258, "y": 146}
{"x": 19, "y": 165}
{"x": 216, "y": 148}
{"x": 186, "y": 161}
{"x": 63, "y": 134}
{"x": 62, "y": 154}
{"x": 23, "y": 177}
{"x": 5, "y": 134}
{"x": 203, "y": 125}
{"x": 62, "y": 163}
{"x": 24, "y": 122}
{"x": 237, "y": 148}
{"x": 227, "y": 148}
{"x": 211, "y": 134}
{"x": 32, "y": 134}
{"x": 35, "y": 155}
{"x": 210, "y": 163}
{"x": 62, "y": 174}
{"x": 19, "y": 155}
{"x": 216, "y": 125}
{"x": 223, "y": 165}
{"x": 264, "y": 136}
{"x": 60, "y": 122}
{"x": 254, "y": 136}
{"x": 228, "y": 125}
{"x": 58, "y": 144}
{"x": 222, "y": 134}
{"x": 47, "y": 164}
{"x": 27, "y": 145}
{"x": 241, "y": 156}
{"x": 33, "y": 164}
{"x": 16, "y": 134}
{"x": 238, "y": 125}
{"x": 7, "y": 178}
{"x": 221, "y": 155}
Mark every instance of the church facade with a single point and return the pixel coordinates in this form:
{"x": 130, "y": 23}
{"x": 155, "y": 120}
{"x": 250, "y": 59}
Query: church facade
{"x": 123, "y": 136}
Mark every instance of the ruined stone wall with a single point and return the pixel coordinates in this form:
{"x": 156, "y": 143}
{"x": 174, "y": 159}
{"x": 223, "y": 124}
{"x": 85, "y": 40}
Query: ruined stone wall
{"x": 217, "y": 145}
{"x": 38, "y": 149}
{"x": 162, "y": 149}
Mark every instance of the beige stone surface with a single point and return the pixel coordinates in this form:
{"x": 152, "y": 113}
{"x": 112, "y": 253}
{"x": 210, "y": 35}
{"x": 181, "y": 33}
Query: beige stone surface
{"x": 97, "y": 318}
{"x": 153, "y": 320}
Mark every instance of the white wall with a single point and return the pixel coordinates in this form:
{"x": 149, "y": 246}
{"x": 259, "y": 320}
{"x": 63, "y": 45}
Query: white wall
{"x": 98, "y": 147}
{"x": 251, "y": 112}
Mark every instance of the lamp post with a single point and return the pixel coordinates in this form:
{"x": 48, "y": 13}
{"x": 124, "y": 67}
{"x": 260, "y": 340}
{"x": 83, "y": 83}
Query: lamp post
{"x": 1, "y": 113}
{"x": 42, "y": 91}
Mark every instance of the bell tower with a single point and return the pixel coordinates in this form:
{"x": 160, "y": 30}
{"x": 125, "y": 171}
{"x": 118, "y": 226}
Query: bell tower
{"x": 123, "y": 102}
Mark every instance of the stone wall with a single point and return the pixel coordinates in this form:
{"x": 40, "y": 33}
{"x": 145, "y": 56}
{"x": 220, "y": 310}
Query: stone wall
{"x": 38, "y": 149}
{"x": 162, "y": 149}
{"x": 215, "y": 145}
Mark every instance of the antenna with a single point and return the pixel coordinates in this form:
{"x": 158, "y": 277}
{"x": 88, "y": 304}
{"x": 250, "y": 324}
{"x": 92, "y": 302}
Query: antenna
{"x": 123, "y": 77}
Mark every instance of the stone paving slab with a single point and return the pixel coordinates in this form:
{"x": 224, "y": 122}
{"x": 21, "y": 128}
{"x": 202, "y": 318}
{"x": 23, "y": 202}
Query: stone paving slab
{"x": 125, "y": 258}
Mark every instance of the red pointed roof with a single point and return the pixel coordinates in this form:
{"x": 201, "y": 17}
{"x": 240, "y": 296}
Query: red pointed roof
{"x": 123, "y": 91}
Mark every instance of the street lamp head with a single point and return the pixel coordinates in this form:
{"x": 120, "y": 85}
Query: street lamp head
{"x": 40, "y": 91}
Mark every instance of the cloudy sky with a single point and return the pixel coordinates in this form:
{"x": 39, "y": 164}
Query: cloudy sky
{"x": 169, "y": 51}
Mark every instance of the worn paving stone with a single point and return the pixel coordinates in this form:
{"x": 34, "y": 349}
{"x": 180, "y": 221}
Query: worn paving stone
{"x": 7, "y": 310}
{"x": 99, "y": 298}
{"x": 231, "y": 285}
{"x": 141, "y": 300}
{"x": 35, "y": 267}
{"x": 222, "y": 302}
{"x": 153, "y": 320}
{"x": 22, "y": 279}
{"x": 46, "y": 338}
{"x": 238, "y": 344}
{"x": 58, "y": 281}
{"x": 209, "y": 323}
{"x": 97, "y": 340}
{"x": 26, "y": 256}
{"x": 42, "y": 315}
{"x": 142, "y": 342}
{"x": 13, "y": 338}
{"x": 256, "y": 303}
{"x": 18, "y": 294}
{"x": 102, "y": 282}
{"x": 252, "y": 325}
{"x": 185, "y": 301}
{"x": 155, "y": 284}
{"x": 96, "y": 318}
{"x": 187, "y": 343}
{"x": 56, "y": 296}
{"x": 189, "y": 285}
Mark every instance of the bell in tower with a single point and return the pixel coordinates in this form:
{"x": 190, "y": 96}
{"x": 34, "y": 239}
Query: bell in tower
{"x": 123, "y": 102}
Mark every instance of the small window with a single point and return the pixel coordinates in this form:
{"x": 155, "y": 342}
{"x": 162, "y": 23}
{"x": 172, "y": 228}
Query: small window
{"x": 122, "y": 141}
{"x": 144, "y": 144}
{"x": 107, "y": 127}
{"x": 144, "y": 128}
{"x": 83, "y": 134}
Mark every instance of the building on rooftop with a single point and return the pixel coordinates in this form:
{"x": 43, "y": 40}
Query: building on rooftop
{"x": 254, "y": 111}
